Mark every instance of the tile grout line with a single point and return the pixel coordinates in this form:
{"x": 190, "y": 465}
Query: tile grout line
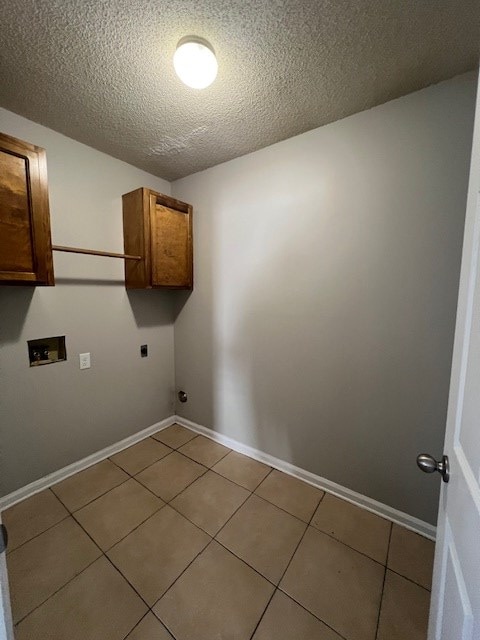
{"x": 128, "y": 582}
{"x": 57, "y": 590}
{"x": 200, "y": 436}
{"x": 104, "y": 493}
{"x": 394, "y": 524}
{"x": 288, "y": 564}
{"x": 242, "y": 559}
{"x": 291, "y": 560}
{"x": 246, "y": 563}
{"x": 158, "y": 617}
{"x": 195, "y": 434}
{"x": 150, "y": 608}
{"x": 143, "y": 618}
{"x": 136, "y": 625}
{"x": 179, "y": 576}
{"x": 185, "y": 488}
{"x": 191, "y": 483}
{"x": 322, "y": 497}
{"x": 263, "y": 613}
{"x": 312, "y": 614}
{"x": 383, "y": 583}
{"x": 198, "y": 526}
{"x": 20, "y": 546}
{"x": 206, "y": 469}
{"x": 212, "y": 538}
{"x": 309, "y": 524}
{"x": 105, "y": 551}
{"x": 277, "y": 587}
{"x": 72, "y": 513}
{"x": 166, "y": 502}
{"x": 383, "y": 564}
{"x": 272, "y": 469}
{"x": 104, "y": 555}
{"x": 332, "y": 537}
{"x": 408, "y": 579}
{"x": 150, "y": 464}
{"x": 195, "y": 479}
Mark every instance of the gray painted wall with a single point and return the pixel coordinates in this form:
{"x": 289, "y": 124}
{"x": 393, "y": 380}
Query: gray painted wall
{"x": 53, "y": 415}
{"x": 321, "y": 325}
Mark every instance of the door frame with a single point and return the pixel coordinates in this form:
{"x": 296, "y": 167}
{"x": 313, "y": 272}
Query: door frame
{"x": 6, "y": 621}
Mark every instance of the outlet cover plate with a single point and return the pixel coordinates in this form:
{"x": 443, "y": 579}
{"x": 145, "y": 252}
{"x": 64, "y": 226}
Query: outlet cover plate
{"x": 84, "y": 360}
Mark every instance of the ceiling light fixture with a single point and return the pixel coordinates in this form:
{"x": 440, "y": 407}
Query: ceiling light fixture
{"x": 195, "y": 62}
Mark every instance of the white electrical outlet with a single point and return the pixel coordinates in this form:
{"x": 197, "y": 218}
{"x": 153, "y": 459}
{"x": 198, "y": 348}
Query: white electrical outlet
{"x": 84, "y": 360}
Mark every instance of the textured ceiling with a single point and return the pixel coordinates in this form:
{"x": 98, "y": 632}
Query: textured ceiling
{"x": 100, "y": 71}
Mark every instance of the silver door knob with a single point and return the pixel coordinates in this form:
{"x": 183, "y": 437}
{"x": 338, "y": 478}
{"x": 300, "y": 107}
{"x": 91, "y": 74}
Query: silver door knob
{"x": 428, "y": 464}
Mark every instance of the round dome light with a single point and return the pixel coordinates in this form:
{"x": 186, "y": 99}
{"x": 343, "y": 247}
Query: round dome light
{"x": 195, "y": 62}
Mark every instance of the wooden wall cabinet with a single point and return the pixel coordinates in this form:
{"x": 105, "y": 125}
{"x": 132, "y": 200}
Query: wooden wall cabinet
{"x": 25, "y": 242}
{"x": 159, "y": 229}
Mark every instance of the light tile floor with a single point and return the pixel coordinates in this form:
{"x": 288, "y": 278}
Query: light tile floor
{"x": 179, "y": 537}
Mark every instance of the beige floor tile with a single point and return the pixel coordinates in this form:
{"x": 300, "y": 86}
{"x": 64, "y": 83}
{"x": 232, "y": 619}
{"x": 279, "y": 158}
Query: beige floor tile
{"x": 297, "y": 497}
{"x": 97, "y": 604}
{"x": 264, "y": 536}
{"x": 171, "y": 475}
{"x": 45, "y": 564}
{"x": 80, "y": 489}
{"x": 359, "y": 528}
{"x": 210, "y": 501}
{"x": 140, "y": 455}
{"x": 405, "y": 609}
{"x": 31, "y": 517}
{"x": 337, "y": 584}
{"x": 112, "y": 516}
{"x": 174, "y": 436}
{"x": 156, "y": 553}
{"x": 284, "y": 619}
{"x": 149, "y": 628}
{"x": 243, "y": 470}
{"x": 411, "y": 555}
{"x": 204, "y": 451}
{"x": 218, "y": 596}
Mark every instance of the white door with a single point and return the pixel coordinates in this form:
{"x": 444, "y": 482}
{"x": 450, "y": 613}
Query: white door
{"x": 455, "y": 609}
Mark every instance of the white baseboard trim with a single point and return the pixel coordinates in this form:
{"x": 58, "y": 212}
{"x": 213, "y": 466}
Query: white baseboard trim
{"x": 399, "y": 517}
{"x": 57, "y": 476}
{"x": 383, "y": 510}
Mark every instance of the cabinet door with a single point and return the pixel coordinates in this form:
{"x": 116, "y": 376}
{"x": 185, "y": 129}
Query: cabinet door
{"x": 25, "y": 244}
{"x": 171, "y": 250}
